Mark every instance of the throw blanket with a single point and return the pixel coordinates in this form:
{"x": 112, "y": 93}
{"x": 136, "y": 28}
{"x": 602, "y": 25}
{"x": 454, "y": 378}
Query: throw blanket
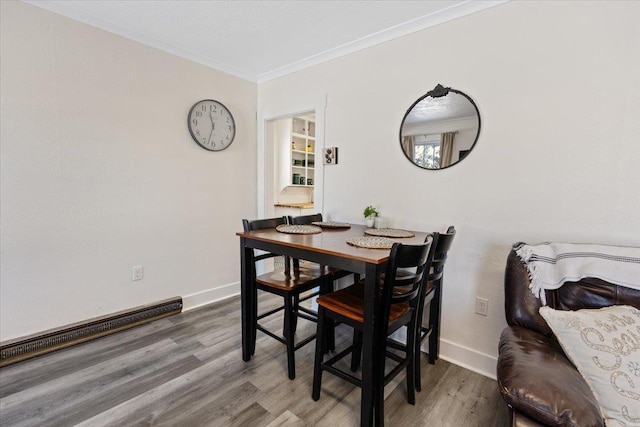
{"x": 551, "y": 264}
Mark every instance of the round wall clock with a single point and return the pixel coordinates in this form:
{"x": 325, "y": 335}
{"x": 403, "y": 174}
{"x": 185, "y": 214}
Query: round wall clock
{"x": 211, "y": 125}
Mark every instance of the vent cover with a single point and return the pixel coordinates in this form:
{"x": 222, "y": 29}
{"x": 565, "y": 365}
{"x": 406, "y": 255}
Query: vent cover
{"x": 35, "y": 345}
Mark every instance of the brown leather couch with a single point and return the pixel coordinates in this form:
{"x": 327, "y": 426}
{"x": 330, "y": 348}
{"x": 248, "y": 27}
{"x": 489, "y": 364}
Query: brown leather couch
{"x": 538, "y": 382}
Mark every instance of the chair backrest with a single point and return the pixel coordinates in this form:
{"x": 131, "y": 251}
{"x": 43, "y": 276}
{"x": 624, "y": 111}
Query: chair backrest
{"x": 442, "y": 247}
{"x": 263, "y": 224}
{"x": 398, "y": 288}
{"x": 305, "y": 219}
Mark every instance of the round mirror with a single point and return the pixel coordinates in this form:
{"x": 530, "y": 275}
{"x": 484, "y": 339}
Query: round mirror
{"x": 440, "y": 128}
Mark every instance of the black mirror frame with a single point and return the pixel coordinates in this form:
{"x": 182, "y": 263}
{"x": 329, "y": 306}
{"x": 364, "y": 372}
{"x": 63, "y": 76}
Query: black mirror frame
{"x": 438, "y": 92}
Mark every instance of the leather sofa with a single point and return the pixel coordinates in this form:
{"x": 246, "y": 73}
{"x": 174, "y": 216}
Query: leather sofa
{"x": 537, "y": 381}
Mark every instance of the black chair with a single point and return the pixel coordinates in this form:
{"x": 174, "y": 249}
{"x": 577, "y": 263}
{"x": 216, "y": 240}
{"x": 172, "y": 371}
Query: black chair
{"x": 400, "y": 299}
{"x": 289, "y": 282}
{"x": 334, "y": 273}
{"x": 308, "y": 219}
{"x": 433, "y": 295}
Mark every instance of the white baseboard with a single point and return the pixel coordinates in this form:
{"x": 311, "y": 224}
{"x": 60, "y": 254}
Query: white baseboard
{"x": 460, "y": 355}
{"x": 468, "y": 358}
{"x": 192, "y": 301}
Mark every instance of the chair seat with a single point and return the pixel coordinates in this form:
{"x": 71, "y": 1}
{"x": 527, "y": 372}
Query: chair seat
{"x": 335, "y": 273}
{"x": 349, "y": 302}
{"x": 278, "y": 278}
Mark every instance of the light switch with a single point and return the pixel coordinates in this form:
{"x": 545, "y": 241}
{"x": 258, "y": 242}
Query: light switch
{"x": 331, "y": 156}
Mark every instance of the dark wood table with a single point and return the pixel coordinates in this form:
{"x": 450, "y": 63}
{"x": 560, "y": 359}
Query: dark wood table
{"x": 326, "y": 248}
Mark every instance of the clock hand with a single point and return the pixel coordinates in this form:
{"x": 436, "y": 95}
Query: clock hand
{"x": 210, "y": 135}
{"x": 213, "y": 127}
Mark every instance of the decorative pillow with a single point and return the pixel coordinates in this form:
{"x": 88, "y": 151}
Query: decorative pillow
{"x": 604, "y": 344}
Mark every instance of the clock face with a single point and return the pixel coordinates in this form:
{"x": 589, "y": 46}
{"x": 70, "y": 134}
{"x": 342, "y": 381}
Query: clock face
{"x": 211, "y": 125}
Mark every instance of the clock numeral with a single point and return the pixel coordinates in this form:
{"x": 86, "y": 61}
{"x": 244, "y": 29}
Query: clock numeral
{"x": 213, "y": 108}
{"x": 198, "y": 132}
{"x": 195, "y": 122}
{"x": 198, "y": 114}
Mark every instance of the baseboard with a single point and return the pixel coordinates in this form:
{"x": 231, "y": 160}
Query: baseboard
{"x": 468, "y": 358}
{"x": 23, "y": 348}
{"x": 211, "y": 295}
{"x": 460, "y": 355}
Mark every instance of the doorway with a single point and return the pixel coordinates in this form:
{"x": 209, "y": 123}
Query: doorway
{"x": 288, "y": 145}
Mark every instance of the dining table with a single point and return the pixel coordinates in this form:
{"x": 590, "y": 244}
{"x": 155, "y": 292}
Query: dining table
{"x": 329, "y": 248}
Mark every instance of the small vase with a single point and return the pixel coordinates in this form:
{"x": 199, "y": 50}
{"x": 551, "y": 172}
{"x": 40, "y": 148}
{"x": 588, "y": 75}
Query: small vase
{"x": 370, "y": 221}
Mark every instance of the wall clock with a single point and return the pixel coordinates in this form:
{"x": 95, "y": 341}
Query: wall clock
{"x": 211, "y": 125}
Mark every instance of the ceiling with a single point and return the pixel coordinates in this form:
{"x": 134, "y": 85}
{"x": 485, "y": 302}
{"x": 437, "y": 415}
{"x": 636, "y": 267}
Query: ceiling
{"x": 262, "y": 40}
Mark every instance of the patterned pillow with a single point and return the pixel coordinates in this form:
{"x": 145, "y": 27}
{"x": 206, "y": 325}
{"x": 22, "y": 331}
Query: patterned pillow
{"x": 604, "y": 344}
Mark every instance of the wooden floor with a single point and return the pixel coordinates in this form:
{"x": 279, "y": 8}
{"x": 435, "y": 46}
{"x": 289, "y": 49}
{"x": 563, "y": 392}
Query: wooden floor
{"x": 187, "y": 370}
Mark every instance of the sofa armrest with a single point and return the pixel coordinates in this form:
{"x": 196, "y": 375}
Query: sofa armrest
{"x": 520, "y": 305}
{"x": 536, "y": 379}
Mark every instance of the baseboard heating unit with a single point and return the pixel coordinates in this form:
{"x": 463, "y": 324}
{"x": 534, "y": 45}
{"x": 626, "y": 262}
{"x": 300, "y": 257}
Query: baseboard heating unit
{"x": 55, "y": 339}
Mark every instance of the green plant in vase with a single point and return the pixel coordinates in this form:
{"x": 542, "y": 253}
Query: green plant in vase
{"x": 370, "y": 213}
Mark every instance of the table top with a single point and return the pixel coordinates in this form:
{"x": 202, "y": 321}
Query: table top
{"x": 331, "y": 242}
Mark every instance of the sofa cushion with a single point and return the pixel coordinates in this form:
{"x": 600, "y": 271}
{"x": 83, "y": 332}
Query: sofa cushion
{"x": 537, "y": 379}
{"x": 604, "y": 344}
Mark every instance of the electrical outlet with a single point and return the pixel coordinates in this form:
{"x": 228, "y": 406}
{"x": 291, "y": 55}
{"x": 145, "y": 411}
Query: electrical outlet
{"x": 482, "y": 306}
{"x": 137, "y": 273}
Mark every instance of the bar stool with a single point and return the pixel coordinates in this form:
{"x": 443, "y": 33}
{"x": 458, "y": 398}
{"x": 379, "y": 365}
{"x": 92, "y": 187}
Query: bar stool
{"x": 308, "y": 219}
{"x": 433, "y": 295}
{"x": 400, "y": 298}
{"x": 288, "y": 282}
{"x": 334, "y": 273}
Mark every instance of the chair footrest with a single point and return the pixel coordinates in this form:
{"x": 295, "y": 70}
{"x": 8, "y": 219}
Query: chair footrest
{"x": 271, "y": 334}
{"x": 283, "y": 341}
{"x": 396, "y": 344}
{"x": 328, "y": 366}
{"x": 425, "y": 332}
{"x": 270, "y": 312}
{"x": 311, "y": 295}
{"x": 310, "y": 314}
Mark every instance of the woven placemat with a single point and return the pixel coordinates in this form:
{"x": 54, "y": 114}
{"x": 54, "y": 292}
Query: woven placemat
{"x": 298, "y": 229}
{"x": 371, "y": 242}
{"x": 331, "y": 224}
{"x": 388, "y": 232}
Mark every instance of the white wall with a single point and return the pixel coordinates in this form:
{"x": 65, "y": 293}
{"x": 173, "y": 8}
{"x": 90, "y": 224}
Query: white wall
{"x": 99, "y": 174}
{"x": 558, "y": 91}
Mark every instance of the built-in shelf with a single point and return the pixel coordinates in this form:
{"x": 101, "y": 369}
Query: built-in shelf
{"x": 298, "y": 157}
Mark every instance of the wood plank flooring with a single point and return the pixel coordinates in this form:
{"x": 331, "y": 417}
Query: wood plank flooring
{"x": 187, "y": 370}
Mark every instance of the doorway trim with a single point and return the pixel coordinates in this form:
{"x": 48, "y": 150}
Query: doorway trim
{"x": 265, "y": 174}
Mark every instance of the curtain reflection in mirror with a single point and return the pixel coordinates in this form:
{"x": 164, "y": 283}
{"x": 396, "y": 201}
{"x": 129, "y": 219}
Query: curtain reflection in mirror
{"x": 446, "y": 148}
{"x": 430, "y": 151}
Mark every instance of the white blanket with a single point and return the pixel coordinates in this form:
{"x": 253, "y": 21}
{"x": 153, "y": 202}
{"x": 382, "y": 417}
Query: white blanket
{"x": 551, "y": 264}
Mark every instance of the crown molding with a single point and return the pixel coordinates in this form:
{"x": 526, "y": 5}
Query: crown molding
{"x": 453, "y": 12}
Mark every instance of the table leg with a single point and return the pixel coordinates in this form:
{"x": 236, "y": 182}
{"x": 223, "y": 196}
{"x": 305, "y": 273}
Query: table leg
{"x": 371, "y": 301}
{"x": 246, "y": 296}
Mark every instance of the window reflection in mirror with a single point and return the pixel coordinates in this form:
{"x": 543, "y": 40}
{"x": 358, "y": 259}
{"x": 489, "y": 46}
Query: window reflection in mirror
{"x": 440, "y": 128}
